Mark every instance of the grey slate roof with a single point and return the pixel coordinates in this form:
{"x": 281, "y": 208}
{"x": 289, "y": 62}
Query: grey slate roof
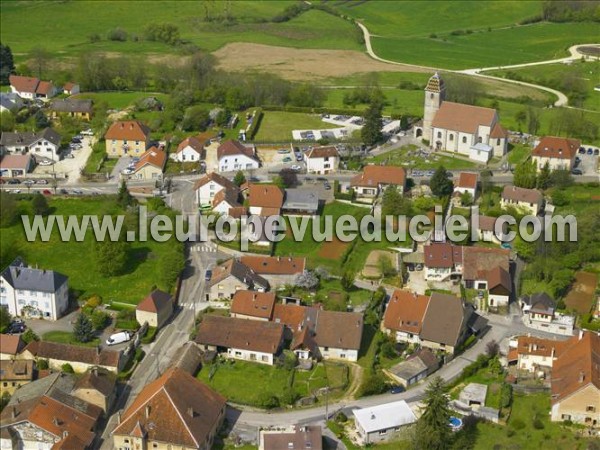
{"x": 19, "y": 276}
{"x": 27, "y": 138}
{"x": 50, "y": 135}
{"x": 301, "y": 199}
{"x": 52, "y": 386}
{"x": 80, "y": 105}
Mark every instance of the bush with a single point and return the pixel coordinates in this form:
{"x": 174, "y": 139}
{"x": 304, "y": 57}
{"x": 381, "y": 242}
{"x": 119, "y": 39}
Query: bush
{"x": 100, "y": 320}
{"x": 538, "y": 424}
{"x": 341, "y": 417}
{"x": 257, "y": 117}
{"x": 289, "y": 396}
{"x": 67, "y": 368}
{"x": 93, "y": 302}
{"x": 505, "y": 395}
{"x": 117, "y": 34}
{"x": 517, "y": 424}
{"x": 42, "y": 364}
{"x": 373, "y": 384}
{"x": 268, "y": 401}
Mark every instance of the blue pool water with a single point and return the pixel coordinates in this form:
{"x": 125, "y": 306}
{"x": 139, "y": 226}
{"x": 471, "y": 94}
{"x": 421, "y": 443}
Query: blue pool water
{"x": 455, "y": 422}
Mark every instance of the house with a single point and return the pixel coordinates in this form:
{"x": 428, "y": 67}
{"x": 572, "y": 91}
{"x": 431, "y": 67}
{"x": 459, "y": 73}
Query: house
{"x": 322, "y": 160}
{"x": 442, "y": 261}
{"x": 575, "y": 381}
{"x": 45, "y": 144}
{"x": 44, "y": 415}
{"x": 300, "y": 202}
{"x": 14, "y": 374}
{"x": 78, "y": 108}
{"x": 10, "y": 101}
{"x": 382, "y": 422}
{"x": 277, "y": 270}
{"x": 209, "y": 185}
{"x": 188, "y": 358}
{"x": 71, "y": 88}
{"x": 467, "y": 182}
{"x": 469, "y": 130}
{"x": 233, "y": 155}
{"x": 31, "y": 88}
{"x": 539, "y": 312}
{"x": 559, "y": 153}
{"x": 487, "y": 269}
{"x": 225, "y": 202}
{"x": 486, "y": 229}
{"x": 10, "y": 346}
{"x": 174, "y": 411}
{"x": 499, "y": 287}
{"x": 404, "y": 316}
{"x": 80, "y": 358}
{"x": 97, "y": 386}
{"x": 416, "y": 367}
{"x": 151, "y": 165}
{"x": 533, "y": 354}
{"x": 374, "y": 179}
{"x": 16, "y": 165}
{"x": 253, "y": 305}
{"x": 231, "y": 276}
{"x": 189, "y": 150}
{"x": 248, "y": 340}
{"x": 30, "y": 292}
{"x": 307, "y": 437}
{"x": 155, "y": 309}
{"x": 130, "y": 137}
{"x": 526, "y": 201}
{"x": 264, "y": 199}
{"x": 445, "y": 323}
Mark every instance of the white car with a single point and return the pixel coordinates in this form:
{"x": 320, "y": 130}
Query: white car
{"x": 296, "y": 168}
{"x": 127, "y": 171}
{"x": 15, "y": 191}
{"x": 46, "y": 162}
{"x": 42, "y": 182}
{"x": 87, "y": 132}
{"x": 118, "y": 338}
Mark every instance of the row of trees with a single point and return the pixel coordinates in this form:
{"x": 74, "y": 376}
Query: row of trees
{"x": 526, "y": 175}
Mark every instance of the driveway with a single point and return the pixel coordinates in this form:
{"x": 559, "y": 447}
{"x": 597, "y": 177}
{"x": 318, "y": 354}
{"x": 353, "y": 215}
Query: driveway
{"x": 70, "y": 167}
{"x": 40, "y": 326}
{"x": 121, "y": 165}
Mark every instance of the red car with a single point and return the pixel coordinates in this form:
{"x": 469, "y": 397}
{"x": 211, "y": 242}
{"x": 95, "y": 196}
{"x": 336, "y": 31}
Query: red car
{"x": 46, "y": 192}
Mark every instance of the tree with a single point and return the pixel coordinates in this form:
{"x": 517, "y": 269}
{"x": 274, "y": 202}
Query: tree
{"x": 543, "y": 178}
{"x": 278, "y": 181}
{"x": 525, "y": 175}
{"x": 41, "y": 121}
{"x": 289, "y": 178}
{"x": 100, "y": 319}
{"x": 347, "y": 280}
{"x": 466, "y": 199}
{"x": 111, "y": 257}
{"x": 371, "y": 131}
{"x": 29, "y": 336}
{"x": 7, "y": 64}
{"x": 5, "y": 319}
{"x": 67, "y": 368}
{"x": 561, "y": 178}
{"x": 162, "y": 32}
{"x": 171, "y": 265}
{"x": 83, "y": 330}
{"x": 195, "y": 118}
{"x": 239, "y": 178}
{"x": 40, "y": 205}
{"x": 124, "y": 198}
{"x": 533, "y": 121}
{"x": 8, "y": 209}
{"x": 441, "y": 185}
{"x": 7, "y": 121}
{"x": 521, "y": 117}
{"x": 307, "y": 280}
{"x": 393, "y": 203}
{"x": 433, "y": 431}
{"x": 492, "y": 348}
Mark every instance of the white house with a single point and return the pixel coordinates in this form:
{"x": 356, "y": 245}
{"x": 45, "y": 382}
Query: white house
{"x": 10, "y": 101}
{"x": 233, "y": 156}
{"x": 208, "y": 186}
{"x": 558, "y": 153}
{"x": 528, "y": 201}
{"x": 381, "y": 422}
{"x": 189, "y": 150}
{"x": 33, "y": 292}
{"x": 45, "y": 144}
{"x": 467, "y": 182}
{"x": 375, "y": 178}
{"x": 71, "y": 88}
{"x": 31, "y": 88}
{"x": 322, "y": 160}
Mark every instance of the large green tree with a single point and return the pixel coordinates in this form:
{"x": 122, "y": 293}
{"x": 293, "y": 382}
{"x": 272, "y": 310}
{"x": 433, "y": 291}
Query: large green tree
{"x": 8, "y": 209}
{"x": 543, "y": 178}
{"x": 525, "y": 175}
{"x": 441, "y": 184}
{"x": 433, "y": 429}
{"x": 7, "y": 64}
{"x": 83, "y": 329}
{"x": 171, "y": 265}
{"x": 371, "y": 131}
{"x": 393, "y": 203}
{"x": 111, "y": 257}
{"x": 39, "y": 204}
{"x": 239, "y": 178}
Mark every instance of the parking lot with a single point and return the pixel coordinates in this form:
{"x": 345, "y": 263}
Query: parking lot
{"x": 68, "y": 167}
{"x": 121, "y": 165}
{"x": 586, "y": 162}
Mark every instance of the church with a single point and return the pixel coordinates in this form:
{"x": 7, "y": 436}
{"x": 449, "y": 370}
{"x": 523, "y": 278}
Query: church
{"x": 469, "y": 130}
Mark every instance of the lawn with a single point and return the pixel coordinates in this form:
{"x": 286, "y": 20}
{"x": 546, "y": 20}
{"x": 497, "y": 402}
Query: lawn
{"x": 277, "y": 126}
{"x": 402, "y": 32}
{"x": 519, "y": 153}
{"x": 66, "y": 27}
{"x": 76, "y": 259}
{"x": 120, "y": 99}
{"x": 403, "y": 157}
{"x": 581, "y": 199}
{"x": 66, "y": 337}
{"x": 246, "y": 382}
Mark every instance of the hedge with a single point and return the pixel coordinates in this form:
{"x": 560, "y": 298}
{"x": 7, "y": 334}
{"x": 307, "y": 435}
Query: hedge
{"x": 257, "y": 117}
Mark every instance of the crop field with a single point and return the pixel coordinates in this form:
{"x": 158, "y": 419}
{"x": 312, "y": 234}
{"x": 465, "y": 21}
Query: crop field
{"x": 67, "y": 26}
{"x": 485, "y": 33}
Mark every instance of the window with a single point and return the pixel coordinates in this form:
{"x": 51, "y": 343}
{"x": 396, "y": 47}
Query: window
{"x": 479, "y": 139}
{"x": 451, "y": 137}
{"x": 124, "y": 142}
{"x": 498, "y": 141}
{"x": 464, "y": 140}
{"x": 430, "y": 95}
{"x": 590, "y": 408}
{"x": 439, "y": 134}
{"x": 137, "y": 142}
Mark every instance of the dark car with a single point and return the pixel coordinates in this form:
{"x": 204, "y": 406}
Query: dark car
{"x": 582, "y": 150}
{"x": 16, "y": 328}
{"x": 14, "y": 181}
{"x": 326, "y": 185}
{"x": 76, "y": 140}
{"x": 596, "y": 152}
{"x": 208, "y": 275}
{"x": 590, "y": 151}
{"x": 396, "y": 389}
{"x": 47, "y": 192}
{"x": 577, "y": 171}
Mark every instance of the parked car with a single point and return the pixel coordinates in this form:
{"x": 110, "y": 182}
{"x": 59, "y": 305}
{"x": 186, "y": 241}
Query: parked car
{"x": 296, "y": 167}
{"x": 64, "y": 192}
{"x": 283, "y": 151}
{"x": 42, "y": 182}
{"x": 76, "y": 140}
{"x": 396, "y": 389}
{"x": 79, "y": 137}
{"x": 590, "y": 151}
{"x": 577, "y": 171}
{"x": 77, "y": 191}
{"x": 28, "y": 182}
{"x": 326, "y": 185}
{"x": 208, "y": 275}
{"x": 13, "y": 181}
{"x": 70, "y": 156}
{"x": 582, "y": 150}
{"x": 118, "y": 338}
{"x": 287, "y": 159}
{"x": 596, "y": 152}
{"x": 46, "y": 162}
{"x": 16, "y": 327}
{"x": 299, "y": 157}
{"x": 47, "y": 192}
{"x": 15, "y": 191}
{"x": 87, "y": 132}
{"x": 127, "y": 171}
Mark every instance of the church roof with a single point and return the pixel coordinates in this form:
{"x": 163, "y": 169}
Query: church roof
{"x": 435, "y": 84}
{"x": 463, "y": 118}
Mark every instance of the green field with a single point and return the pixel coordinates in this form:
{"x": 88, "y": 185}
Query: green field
{"x": 76, "y": 259}
{"x": 578, "y": 77}
{"x": 120, "y": 100}
{"x": 402, "y": 32}
{"x": 277, "y": 126}
{"x": 67, "y": 26}
{"x": 245, "y": 382}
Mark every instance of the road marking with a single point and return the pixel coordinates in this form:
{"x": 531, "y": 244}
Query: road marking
{"x": 204, "y": 248}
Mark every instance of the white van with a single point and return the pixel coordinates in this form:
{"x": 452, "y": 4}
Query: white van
{"x": 118, "y": 338}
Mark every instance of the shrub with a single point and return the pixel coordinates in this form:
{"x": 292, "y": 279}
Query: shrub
{"x": 433, "y": 36}
{"x": 268, "y": 401}
{"x": 67, "y": 368}
{"x": 42, "y": 364}
{"x": 517, "y": 424}
{"x": 93, "y": 302}
{"x": 505, "y": 395}
{"x": 117, "y": 34}
{"x": 289, "y": 396}
{"x": 373, "y": 384}
{"x": 538, "y": 424}
{"x": 341, "y": 417}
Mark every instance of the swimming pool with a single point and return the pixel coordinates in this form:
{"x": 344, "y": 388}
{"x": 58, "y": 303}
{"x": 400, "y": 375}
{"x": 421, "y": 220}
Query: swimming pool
{"x": 455, "y": 423}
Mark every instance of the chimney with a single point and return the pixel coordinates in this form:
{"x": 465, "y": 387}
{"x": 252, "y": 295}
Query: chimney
{"x": 55, "y": 421}
{"x": 190, "y": 412}
{"x": 131, "y": 126}
{"x": 65, "y": 434}
{"x": 122, "y": 125}
{"x": 119, "y": 418}
{"x": 372, "y": 416}
{"x": 148, "y": 409}
{"x": 581, "y": 377}
{"x": 14, "y": 413}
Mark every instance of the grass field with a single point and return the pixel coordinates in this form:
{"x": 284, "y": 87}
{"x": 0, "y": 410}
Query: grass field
{"x": 519, "y": 153}
{"x": 245, "y": 382}
{"x": 67, "y": 26}
{"x": 402, "y": 32}
{"x": 585, "y": 76}
{"x": 120, "y": 100}
{"x": 76, "y": 259}
{"x": 277, "y": 126}
{"x": 66, "y": 337}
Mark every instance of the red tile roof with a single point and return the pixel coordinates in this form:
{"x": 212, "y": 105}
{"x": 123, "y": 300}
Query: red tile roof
{"x": 478, "y": 260}
{"x": 44, "y": 88}
{"x": 442, "y": 255}
{"x": 556, "y": 147}
{"x": 322, "y": 152}
{"x": 254, "y": 304}
{"x": 129, "y": 130}
{"x": 518, "y": 194}
{"x": 275, "y": 265}
{"x": 75, "y": 353}
{"x": 498, "y": 132}
{"x": 153, "y": 157}
{"x": 405, "y": 311}
{"x": 155, "y": 302}
{"x": 232, "y": 147}
{"x": 215, "y": 177}
{"x": 292, "y": 316}
{"x": 24, "y": 84}
{"x": 467, "y": 180}
{"x": 374, "y": 175}
{"x": 191, "y": 142}
{"x": 465, "y": 118}
{"x": 265, "y": 196}
{"x": 11, "y": 344}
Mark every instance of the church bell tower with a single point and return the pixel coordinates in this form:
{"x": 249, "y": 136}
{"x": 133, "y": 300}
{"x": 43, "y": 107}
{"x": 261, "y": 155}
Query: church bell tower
{"x": 435, "y": 94}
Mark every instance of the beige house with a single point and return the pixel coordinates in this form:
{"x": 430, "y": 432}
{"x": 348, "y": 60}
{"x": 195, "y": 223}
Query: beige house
{"x": 559, "y": 153}
{"x": 527, "y": 201}
{"x": 231, "y": 276}
{"x": 10, "y": 346}
{"x": 322, "y": 160}
{"x": 576, "y": 382}
{"x": 14, "y": 374}
{"x": 129, "y": 137}
{"x": 155, "y": 309}
{"x": 151, "y": 165}
{"x": 97, "y": 387}
{"x": 374, "y": 179}
{"x": 176, "y": 411}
